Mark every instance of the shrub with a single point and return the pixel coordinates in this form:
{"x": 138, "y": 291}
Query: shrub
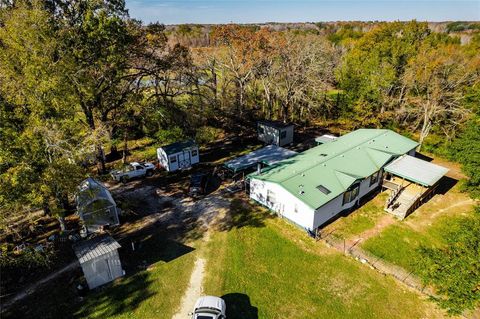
{"x": 454, "y": 270}
{"x": 207, "y": 134}
{"x": 169, "y": 136}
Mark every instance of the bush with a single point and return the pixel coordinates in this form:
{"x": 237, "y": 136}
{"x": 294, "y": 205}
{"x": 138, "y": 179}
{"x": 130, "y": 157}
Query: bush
{"x": 169, "y": 136}
{"x": 454, "y": 270}
{"x": 207, "y": 134}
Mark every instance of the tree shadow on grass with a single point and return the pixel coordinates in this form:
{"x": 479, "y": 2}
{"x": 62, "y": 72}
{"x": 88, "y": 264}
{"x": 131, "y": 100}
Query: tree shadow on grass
{"x": 243, "y": 214}
{"x": 239, "y": 306}
{"x": 123, "y": 296}
{"x": 128, "y": 293}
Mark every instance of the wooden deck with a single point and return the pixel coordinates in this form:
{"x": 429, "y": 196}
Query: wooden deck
{"x": 405, "y": 196}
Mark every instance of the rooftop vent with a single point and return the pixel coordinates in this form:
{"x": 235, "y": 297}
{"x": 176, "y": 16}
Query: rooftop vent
{"x": 323, "y": 154}
{"x": 323, "y": 189}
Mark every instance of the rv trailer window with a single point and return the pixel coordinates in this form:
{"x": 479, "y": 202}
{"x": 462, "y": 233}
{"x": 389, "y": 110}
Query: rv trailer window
{"x": 283, "y": 134}
{"x": 173, "y": 159}
{"x": 194, "y": 152}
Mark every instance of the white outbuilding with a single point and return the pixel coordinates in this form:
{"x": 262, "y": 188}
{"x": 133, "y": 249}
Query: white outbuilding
{"x": 275, "y": 132}
{"x": 179, "y": 155}
{"x": 99, "y": 260}
{"x": 95, "y": 205}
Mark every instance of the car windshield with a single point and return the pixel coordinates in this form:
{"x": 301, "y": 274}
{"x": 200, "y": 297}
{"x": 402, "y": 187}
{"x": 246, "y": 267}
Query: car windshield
{"x": 205, "y": 317}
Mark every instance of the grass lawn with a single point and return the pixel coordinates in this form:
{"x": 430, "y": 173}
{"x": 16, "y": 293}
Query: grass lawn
{"x": 273, "y": 270}
{"x": 398, "y": 243}
{"x": 152, "y": 293}
{"x": 362, "y": 219}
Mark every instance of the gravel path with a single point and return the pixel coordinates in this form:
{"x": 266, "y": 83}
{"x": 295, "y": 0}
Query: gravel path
{"x": 194, "y": 290}
{"x": 211, "y": 209}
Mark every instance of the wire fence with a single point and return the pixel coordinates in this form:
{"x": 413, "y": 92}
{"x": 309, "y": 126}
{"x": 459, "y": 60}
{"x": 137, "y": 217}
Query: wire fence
{"x": 377, "y": 263}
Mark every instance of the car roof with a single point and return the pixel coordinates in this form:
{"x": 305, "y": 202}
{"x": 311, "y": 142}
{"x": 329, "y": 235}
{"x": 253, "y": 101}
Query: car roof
{"x": 210, "y": 302}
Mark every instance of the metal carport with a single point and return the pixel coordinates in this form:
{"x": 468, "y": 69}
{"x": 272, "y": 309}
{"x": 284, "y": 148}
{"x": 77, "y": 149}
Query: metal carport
{"x": 416, "y": 170}
{"x": 267, "y": 155}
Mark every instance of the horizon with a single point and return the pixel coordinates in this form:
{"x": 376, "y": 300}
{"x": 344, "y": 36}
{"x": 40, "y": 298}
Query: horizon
{"x": 303, "y": 11}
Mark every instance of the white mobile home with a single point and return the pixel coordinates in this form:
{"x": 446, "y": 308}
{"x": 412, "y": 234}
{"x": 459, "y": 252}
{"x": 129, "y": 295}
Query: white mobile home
{"x": 275, "y": 132}
{"x": 179, "y": 155}
{"x": 314, "y": 186}
{"x": 99, "y": 260}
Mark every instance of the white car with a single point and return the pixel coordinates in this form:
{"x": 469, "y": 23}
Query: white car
{"x": 133, "y": 170}
{"x": 209, "y": 307}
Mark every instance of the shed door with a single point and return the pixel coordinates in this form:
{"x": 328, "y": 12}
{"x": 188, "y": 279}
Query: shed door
{"x": 101, "y": 273}
{"x": 184, "y": 159}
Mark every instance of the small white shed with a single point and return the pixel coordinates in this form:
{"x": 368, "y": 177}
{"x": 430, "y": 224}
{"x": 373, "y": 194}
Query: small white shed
{"x": 179, "y": 155}
{"x": 275, "y": 132}
{"x": 99, "y": 260}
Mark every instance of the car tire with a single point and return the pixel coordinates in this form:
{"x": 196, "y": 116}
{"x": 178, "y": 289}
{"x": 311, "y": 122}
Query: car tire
{"x": 124, "y": 179}
{"x": 149, "y": 173}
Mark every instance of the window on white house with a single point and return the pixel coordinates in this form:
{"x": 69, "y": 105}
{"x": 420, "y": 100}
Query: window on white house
{"x": 173, "y": 159}
{"x": 283, "y": 134}
{"x": 270, "y": 197}
{"x": 351, "y": 194}
{"x": 374, "y": 178}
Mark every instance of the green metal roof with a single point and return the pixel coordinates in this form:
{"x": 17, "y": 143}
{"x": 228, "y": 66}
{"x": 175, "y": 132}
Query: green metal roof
{"x": 178, "y": 146}
{"x": 336, "y": 165}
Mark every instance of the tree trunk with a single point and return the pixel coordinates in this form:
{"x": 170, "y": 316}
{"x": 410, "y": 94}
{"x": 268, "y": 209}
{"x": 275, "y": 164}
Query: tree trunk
{"x": 100, "y": 154}
{"x": 125, "y": 146}
{"x": 427, "y": 125}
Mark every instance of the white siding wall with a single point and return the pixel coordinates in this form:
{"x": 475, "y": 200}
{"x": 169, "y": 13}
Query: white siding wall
{"x": 288, "y": 138}
{"x": 165, "y": 160}
{"x": 162, "y": 158}
{"x": 102, "y": 269}
{"x": 335, "y": 206}
{"x": 286, "y": 204}
{"x": 271, "y": 135}
{"x": 295, "y": 210}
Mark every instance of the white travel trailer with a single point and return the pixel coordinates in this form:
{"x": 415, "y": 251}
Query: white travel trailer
{"x": 275, "y": 132}
{"x": 179, "y": 155}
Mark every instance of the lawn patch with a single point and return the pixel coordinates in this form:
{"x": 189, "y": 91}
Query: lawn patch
{"x": 272, "y": 276}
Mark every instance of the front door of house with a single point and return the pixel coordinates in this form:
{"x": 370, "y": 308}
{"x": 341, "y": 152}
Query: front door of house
{"x": 184, "y": 160}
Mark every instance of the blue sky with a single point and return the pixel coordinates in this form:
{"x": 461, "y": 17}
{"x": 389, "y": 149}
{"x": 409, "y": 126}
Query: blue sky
{"x": 246, "y": 11}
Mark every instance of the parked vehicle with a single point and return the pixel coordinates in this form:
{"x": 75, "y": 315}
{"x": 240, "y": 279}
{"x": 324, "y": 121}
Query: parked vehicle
{"x": 198, "y": 184}
{"x": 133, "y": 170}
{"x": 209, "y": 307}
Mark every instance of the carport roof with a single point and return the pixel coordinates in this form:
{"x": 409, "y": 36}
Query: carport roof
{"x": 95, "y": 247}
{"x": 416, "y": 170}
{"x": 268, "y": 155}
